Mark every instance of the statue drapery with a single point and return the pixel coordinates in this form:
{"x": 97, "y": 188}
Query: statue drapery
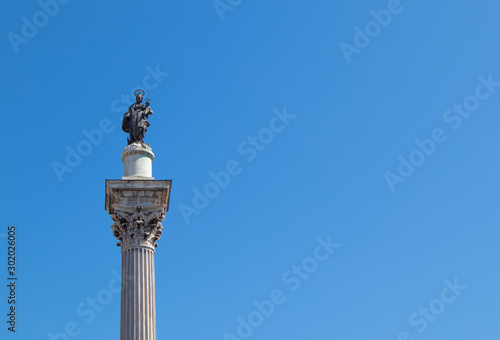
{"x": 134, "y": 120}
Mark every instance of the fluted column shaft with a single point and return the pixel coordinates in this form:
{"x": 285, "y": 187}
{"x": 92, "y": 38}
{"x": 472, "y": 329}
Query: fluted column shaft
{"x": 138, "y": 310}
{"x": 138, "y": 229}
{"x": 137, "y": 208}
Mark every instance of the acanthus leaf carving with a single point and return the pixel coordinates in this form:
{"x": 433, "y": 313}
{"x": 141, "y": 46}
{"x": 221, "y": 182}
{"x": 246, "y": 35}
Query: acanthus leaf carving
{"x": 138, "y": 228}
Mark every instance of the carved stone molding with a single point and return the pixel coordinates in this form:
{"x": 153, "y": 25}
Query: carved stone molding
{"x": 138, "y": 149}
{"x": 140, "y": 228}
{"x": 126, "y": 194}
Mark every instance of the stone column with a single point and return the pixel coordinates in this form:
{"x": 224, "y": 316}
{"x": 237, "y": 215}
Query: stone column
{"x": 137, "y": 207}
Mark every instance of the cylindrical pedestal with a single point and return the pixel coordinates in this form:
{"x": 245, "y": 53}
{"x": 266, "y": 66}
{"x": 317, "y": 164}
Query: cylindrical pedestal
{"x": 138, "y": 309}
{"x": 138, "y": 161}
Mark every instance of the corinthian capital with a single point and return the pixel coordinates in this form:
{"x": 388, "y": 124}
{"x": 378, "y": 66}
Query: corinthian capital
{"x": 139, "y": 228}
{"x": 137, "y": 207}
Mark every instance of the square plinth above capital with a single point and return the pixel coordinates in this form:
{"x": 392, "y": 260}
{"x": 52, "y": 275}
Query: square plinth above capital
{"x": 132, "y": 193}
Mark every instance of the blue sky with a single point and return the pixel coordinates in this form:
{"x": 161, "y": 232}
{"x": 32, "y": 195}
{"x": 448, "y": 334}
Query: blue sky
{"x": 365, "y": 135}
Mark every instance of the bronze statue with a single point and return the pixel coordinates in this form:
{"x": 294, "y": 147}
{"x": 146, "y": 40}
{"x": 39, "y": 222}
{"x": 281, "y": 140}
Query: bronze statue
{"x": 134, "y": 120}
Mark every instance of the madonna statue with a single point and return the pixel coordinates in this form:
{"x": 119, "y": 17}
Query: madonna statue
{"x": 134, "y": 120}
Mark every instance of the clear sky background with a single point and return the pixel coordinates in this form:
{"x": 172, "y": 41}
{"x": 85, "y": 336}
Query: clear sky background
{"x": 337, "y": 167}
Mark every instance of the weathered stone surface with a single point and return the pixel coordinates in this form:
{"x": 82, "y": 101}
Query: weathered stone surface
{"x": 125, "y": 195}
{"x": 138, "y": 161}
{"x": 138, "y": 307}
{"x": 138, "y": 229}
{"x": 137, "y": 208}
